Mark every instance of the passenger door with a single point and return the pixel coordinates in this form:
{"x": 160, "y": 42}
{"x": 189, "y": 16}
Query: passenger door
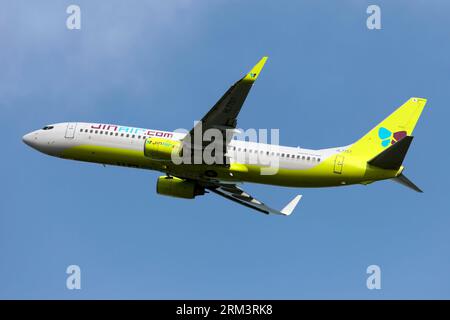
{"x": 70, "y": 131}
{"x": 338, "y": 164}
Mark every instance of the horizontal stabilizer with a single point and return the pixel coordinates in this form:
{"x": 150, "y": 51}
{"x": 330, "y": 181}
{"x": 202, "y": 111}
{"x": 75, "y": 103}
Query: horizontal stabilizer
{"x": 406, "y": 182}
{"x": 392, "y": 158}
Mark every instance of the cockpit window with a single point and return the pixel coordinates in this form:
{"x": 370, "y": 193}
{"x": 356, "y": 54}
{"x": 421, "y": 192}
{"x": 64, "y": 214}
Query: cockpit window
{"x": 47, "y": 128}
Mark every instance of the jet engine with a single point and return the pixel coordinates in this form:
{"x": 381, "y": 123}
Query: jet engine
{"x": 179, "y": 188}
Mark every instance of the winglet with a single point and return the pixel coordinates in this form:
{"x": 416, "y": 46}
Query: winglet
{"x": 291, "y": 205}
{"x": 254, "y": 73}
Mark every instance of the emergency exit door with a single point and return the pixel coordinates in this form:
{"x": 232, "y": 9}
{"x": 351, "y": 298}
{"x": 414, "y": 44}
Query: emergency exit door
{"x": 338, "y": 164}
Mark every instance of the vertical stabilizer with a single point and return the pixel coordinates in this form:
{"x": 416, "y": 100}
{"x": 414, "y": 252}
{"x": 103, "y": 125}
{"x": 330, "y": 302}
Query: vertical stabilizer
{"x": 395, "y": 127}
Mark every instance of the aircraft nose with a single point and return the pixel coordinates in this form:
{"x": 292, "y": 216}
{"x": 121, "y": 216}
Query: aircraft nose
{"x": 30, "y": 139}
{"x": 26, "y": 139}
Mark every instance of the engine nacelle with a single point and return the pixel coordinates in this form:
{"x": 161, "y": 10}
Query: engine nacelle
{"x": 161, "y": 149}
{"x": 179, "y": 188}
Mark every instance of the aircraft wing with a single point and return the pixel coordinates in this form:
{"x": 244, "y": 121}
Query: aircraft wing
{"x": 236, "y": 194}
{"x": 223, "y": 115}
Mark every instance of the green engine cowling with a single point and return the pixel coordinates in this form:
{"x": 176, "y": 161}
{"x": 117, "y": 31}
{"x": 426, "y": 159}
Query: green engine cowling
{"x": 161, "y": 149}
{"x": 179, "y": 188}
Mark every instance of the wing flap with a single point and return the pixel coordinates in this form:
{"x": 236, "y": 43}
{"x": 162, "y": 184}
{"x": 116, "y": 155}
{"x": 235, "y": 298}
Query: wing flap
{"x": 236, "y": 194}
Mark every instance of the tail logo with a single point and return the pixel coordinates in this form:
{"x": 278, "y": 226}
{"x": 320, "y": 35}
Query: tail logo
{"x": 389, "y": 138}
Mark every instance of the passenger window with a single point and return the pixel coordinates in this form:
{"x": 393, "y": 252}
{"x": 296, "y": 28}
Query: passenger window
{"x": 303, "y": 157}
{"x": 101, "y": 132}
{"x": 128, "y": 135}
{"x": 96, "y": 131}
{"x": 282, "y": 154}
{"x": 121, "y": 134}
{"x": 318, "y": 159}
{"x": 139, "y": 137}
{"x": 308, "y": 158}
{"x": 91, "y": 131}
{"x": 133, "y": 136}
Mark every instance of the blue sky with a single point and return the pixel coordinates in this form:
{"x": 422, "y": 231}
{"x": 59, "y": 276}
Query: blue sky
{"x": 163, "y": 64}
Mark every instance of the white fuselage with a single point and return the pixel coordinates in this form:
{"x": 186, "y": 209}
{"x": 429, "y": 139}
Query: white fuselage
{"x": 63, "y": 136}
{"x": 124, "y": 146}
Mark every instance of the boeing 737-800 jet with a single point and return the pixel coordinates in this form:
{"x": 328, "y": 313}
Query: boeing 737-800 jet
{"x": 378, "y": 155}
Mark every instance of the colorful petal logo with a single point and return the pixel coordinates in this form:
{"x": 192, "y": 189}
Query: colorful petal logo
{"x": 387, "y": 138}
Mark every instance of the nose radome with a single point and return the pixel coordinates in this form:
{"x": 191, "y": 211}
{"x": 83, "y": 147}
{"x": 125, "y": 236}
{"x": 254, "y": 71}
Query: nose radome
{"x": 29, "y": 139}
{"x": 26, "y": 139}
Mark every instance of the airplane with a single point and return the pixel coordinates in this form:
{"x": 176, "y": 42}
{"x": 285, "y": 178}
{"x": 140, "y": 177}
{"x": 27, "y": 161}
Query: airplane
{"x": 378, "y": 155}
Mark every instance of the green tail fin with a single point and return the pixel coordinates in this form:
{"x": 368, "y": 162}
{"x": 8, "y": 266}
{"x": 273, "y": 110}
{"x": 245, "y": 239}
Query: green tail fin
{"x": 395, "y": 127}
